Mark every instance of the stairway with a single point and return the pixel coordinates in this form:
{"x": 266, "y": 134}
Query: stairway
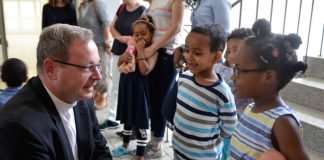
{"x": 306, "y": 96}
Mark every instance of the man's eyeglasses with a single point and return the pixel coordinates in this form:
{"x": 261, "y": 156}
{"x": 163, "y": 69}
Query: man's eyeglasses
{"x": 237, "y": 70}
{"x": 89, "y": 68}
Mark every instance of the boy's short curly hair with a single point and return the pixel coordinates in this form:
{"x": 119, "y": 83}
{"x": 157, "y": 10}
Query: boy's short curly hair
{"x": 14, "y": 72}
{"x": 216, "y": 34}
{"x": 240, "y": 33}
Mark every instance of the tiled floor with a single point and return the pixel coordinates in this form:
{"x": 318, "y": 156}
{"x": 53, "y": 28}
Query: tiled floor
{"x": 113, "y": 140}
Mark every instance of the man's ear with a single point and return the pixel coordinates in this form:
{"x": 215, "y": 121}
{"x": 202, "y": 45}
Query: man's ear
{"x": 217, "y": 57}
{"x": 50, "y": 68}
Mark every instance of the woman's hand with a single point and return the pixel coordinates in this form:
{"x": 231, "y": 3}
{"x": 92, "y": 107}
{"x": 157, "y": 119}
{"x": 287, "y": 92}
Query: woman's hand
{"x": 149, "y": 51}
{"x": 123, "y": 39}
{"x": 108, "y": 48}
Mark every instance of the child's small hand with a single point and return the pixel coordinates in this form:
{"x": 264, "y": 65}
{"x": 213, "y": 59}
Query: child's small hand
{"x": 130, "y": 58}
{"x": 126, "y": 57}
{"x": 140, "y": 45}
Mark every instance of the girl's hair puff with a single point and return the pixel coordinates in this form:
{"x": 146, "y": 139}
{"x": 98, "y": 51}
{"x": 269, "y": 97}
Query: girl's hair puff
{"x": 275, "y": 52}
{"x": 216, "y": 34}
{"x": 148, "y": 20}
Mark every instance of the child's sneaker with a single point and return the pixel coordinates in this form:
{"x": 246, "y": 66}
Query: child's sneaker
{"x": 108, "y": 124}
{"x": 152, "y": 153}
{"x": 121, "y": 150}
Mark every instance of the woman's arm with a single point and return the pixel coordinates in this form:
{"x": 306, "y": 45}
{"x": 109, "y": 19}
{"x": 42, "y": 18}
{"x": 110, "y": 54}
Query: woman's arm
{"x": 116, "y": 34}
{"x": 176, "y": 22}
{"x": 146, "y": 65}
{"x": 113, "y": 30}
{"x": 289, "y": 140}
{"x": 102, "y": 14}
{"x": 107, "y": 39}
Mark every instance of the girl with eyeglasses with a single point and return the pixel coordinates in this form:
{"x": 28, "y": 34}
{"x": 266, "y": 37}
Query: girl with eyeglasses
{"x": 264, "y": 65}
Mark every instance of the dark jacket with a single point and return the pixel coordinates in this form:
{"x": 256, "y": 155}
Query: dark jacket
{"x": 31, "y": 128}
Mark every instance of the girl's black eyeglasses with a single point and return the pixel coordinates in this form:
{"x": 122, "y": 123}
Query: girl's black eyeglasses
{"x": 237, "y": 70}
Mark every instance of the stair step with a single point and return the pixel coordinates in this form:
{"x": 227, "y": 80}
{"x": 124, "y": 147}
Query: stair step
{"x": 308, "y": 115}
{"x": 313, "y": 129}
{"x": 311, "y": 82}
{"x": 315, "y": 67}
{"x": 306, "y": 91}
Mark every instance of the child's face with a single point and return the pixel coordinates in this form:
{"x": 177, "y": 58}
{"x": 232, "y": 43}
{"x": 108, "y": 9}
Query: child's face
{"x": 247, "y": 76}
{"x": 142, "y": 32}
{"x": 198, "y": 56}
{"x": 232, "y": 47}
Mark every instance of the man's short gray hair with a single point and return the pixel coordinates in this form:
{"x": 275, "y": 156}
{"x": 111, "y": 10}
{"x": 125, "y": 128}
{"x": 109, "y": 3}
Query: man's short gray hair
{"x": 54, "y": 42}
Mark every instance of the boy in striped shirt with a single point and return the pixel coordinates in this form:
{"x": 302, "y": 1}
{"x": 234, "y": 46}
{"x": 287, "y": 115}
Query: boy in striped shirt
{"x": 205, "y": 117}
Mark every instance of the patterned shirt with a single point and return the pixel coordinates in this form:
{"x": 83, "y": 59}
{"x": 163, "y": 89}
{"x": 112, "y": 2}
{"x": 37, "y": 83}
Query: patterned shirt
{"x": 252, "y": 136}
{"x": 160, "y": 10}
{"x": 7, "y": 93}
{"x": 203, "y": 116}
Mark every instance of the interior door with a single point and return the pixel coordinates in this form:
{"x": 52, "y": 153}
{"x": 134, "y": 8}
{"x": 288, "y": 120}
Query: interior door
{"x": 3, "y": 40}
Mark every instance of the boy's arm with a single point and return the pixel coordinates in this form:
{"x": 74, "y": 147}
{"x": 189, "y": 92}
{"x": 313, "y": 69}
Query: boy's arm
{"x": 288, "y": 137}
{"x": 228, "y": 119}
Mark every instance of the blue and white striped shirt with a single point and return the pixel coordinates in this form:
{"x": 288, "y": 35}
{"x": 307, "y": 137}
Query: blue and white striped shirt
{"x": 203, "y": 116}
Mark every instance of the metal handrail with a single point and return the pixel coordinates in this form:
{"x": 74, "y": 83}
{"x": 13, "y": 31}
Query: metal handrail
{"x": 236, "y": 2}
{"x": 322, "y": 42}
{"x": 285, "y": 16}
{"x": 299, "y": 15}
{"x": 240, "y": 2}
{"x": 309, "y": 30}
{"x": 257, "y": 10}
{"x": 4, "y": 42}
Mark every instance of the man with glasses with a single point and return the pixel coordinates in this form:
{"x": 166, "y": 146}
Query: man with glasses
{"x": 53, "y": 116}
